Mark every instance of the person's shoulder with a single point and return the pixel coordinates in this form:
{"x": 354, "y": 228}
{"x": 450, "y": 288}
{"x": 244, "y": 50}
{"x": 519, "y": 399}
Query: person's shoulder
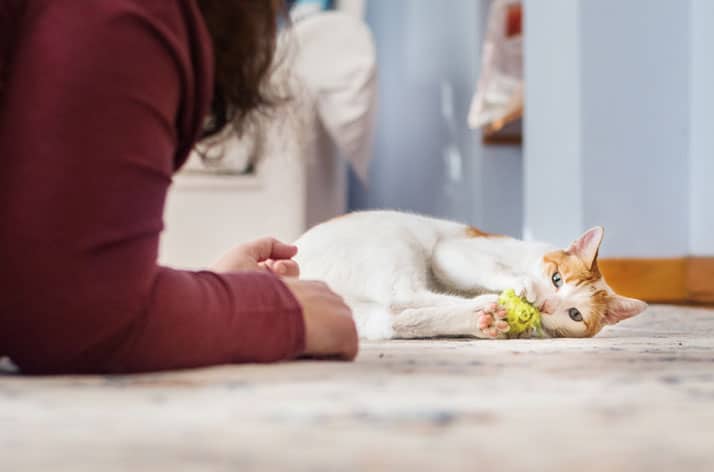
{"x": 169, "y": 14}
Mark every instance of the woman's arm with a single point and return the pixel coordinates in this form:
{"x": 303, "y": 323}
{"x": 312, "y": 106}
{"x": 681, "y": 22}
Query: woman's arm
{"x": 88, "y": 139}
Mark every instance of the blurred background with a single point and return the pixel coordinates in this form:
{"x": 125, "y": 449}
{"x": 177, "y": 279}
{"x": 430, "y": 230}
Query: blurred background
{"x": 533, "y": 118}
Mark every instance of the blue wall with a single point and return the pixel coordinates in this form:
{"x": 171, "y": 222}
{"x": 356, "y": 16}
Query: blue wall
{"x": 610, "y": 121}
{"x": 702, "y": 129}
{"x": 619, "y": 127}
{"x": 426, "y": 158}
{"x": 635, "y": 128}
{"x": 552, "y": 154}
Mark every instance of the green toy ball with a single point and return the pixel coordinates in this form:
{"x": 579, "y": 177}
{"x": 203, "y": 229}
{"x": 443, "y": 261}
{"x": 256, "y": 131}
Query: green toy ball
{"x": 522, "y": 317}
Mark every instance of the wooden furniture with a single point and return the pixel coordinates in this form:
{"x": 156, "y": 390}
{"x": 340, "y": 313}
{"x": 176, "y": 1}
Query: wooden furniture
{"x": 507, "y": 130}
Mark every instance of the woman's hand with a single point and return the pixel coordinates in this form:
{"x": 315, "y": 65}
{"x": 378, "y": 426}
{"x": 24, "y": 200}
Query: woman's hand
{"x": 263, "y": 254}
{"x": 330, "y": 331}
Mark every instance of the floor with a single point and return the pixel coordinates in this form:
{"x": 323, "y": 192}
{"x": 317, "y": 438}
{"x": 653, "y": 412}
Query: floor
{"x": 638, "y": 397}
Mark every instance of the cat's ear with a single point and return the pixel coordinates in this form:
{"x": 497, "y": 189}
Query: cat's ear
{"x": 587, "y": 245}
{"x": 620, "y": 308}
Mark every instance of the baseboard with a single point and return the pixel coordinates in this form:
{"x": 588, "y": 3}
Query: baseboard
{"x": 700, "y": 279}
{"x": 678, "y": 280}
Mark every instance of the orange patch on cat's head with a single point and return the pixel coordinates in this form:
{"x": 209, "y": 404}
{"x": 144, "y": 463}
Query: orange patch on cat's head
{"x": 595, "y": 322}
{"x": 576, "y": 273}
{"x": 585, "y": 288}
{"x": 572, "y": 268}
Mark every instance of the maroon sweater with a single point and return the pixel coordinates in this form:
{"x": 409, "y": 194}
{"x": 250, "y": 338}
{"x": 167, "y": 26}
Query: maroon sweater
{"x": 100, "y": 103}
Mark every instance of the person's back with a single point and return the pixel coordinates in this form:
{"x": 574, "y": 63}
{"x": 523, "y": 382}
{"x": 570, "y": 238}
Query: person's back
{"x": 101, "y": 102}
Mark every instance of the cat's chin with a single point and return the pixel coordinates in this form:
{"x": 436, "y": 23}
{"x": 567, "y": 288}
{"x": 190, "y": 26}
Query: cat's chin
{"x": 549, "y": 332}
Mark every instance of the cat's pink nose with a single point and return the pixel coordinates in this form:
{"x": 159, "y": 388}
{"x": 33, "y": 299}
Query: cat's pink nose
{"x": 548, "y": 307}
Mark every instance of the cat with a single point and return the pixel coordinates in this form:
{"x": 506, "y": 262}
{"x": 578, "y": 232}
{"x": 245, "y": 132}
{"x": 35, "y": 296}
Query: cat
{"x": 410, "y": 276}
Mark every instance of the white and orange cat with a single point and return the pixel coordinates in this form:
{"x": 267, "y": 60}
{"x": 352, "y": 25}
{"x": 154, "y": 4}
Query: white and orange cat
{"x": 410, "y": 276}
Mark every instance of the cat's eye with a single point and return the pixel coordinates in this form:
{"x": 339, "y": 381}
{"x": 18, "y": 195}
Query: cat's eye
{"x": 557, "y": 280}
{"x": 575, "y": 314}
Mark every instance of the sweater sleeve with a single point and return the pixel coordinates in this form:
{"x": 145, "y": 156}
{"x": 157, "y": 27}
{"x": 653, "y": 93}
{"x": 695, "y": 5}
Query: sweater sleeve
{"x": 90, "y": 124}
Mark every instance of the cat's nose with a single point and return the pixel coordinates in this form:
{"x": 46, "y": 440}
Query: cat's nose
{"x": 548, "y": 307}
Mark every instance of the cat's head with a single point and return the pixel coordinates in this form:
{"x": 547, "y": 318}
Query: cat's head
{"x": 574, "y": 299}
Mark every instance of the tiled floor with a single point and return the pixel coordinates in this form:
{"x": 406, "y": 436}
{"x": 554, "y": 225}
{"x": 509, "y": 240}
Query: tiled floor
{"x": 638, "y": 397}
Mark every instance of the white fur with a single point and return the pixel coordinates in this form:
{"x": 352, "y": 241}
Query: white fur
{"x": 381, "y": 263}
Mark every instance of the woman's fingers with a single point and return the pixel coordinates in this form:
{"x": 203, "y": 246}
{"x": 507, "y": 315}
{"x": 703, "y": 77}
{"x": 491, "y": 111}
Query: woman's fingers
{"x": 330, "y": 331}
{"x": 270, "y": 248}
{"x": 281, "y": 250}
{"x": 287, "y": 268}
{"x": 260, "y": 254}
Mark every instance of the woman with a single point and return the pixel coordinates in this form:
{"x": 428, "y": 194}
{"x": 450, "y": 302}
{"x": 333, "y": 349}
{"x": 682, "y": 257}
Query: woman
{"x": 100, "y": 102}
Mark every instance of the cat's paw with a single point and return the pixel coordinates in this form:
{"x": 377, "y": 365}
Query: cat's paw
{"x": 492, "y": 321}
{"x": 526, "y": 288}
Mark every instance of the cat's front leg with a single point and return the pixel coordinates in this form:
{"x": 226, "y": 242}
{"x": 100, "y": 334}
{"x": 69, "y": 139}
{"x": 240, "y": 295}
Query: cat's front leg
{"x": 492, "y": 322}
{"x": 525, "y": 287}
{"x": 480, "y": 317}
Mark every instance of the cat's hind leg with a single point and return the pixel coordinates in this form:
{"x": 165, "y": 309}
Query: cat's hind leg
{"x": 373, "y": 320}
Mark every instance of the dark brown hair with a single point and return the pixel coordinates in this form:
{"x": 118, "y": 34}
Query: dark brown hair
{"x": 244, "y": 34}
